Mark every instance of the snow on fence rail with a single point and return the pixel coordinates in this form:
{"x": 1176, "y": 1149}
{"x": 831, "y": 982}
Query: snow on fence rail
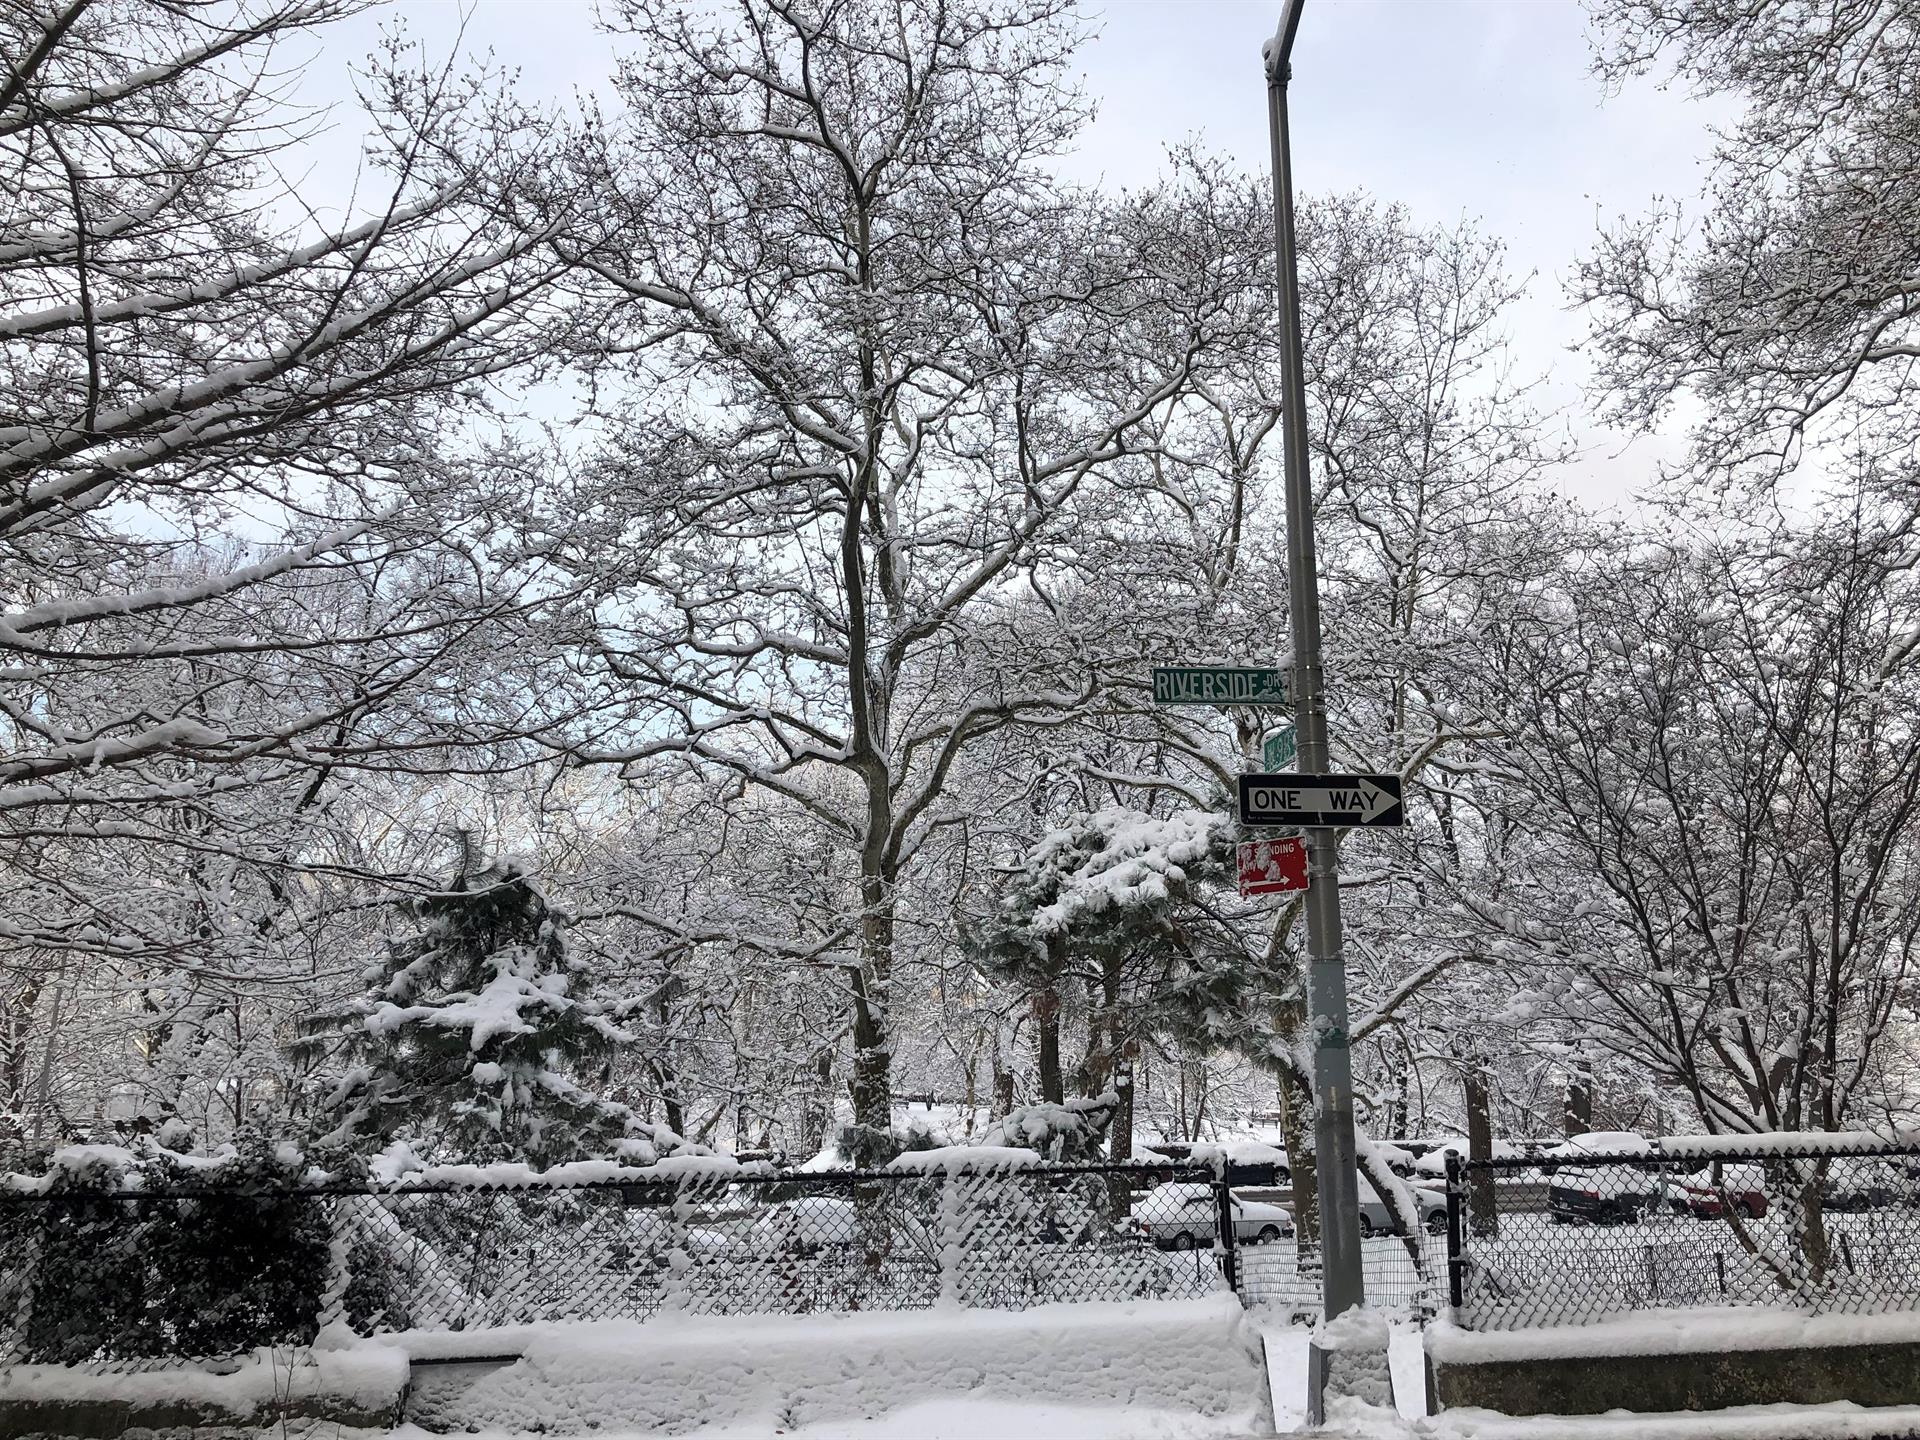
{"x": 1824, "y": 1224}
{"x": 110, "y": 1275}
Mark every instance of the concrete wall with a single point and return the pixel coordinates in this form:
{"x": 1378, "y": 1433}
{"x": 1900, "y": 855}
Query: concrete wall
{"x": 360, "y": 1388}
{"x": 1878, "y": 1374}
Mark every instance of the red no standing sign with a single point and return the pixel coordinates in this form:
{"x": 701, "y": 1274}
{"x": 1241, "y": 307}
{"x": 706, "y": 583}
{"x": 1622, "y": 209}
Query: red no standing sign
{"x": 1272, "y": 867}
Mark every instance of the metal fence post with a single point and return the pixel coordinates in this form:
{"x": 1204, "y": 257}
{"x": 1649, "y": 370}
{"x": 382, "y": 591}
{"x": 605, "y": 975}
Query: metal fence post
{"x": 1456, "y": 1230}
{"x": 1223, "y": 1215}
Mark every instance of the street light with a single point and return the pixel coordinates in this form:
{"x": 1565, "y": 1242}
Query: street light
{"x": 1341, "y": 1284}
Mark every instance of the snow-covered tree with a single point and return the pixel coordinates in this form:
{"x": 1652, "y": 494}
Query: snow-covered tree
{"x": 243, "y": 431}
{"x": 875, "y": 357}
{"x": 1131, "y": 906}
{"x": 477, "y": 1038}
{"x": 1784, "y": 303}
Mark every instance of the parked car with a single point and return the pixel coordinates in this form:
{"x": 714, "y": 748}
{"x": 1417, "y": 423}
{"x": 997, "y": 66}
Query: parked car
{"x": 1182, "y": 1216}
{"x": 1743, "y": 1188}
{"x": 1611, "y": 1142}
{"x": 1606, "y": 1193}
{"x": 806, "y": 1226}
{"x": 1249, "y": 1162}
{"x": 1377, "y": 1219}
{"x": 1433, "y": 1164}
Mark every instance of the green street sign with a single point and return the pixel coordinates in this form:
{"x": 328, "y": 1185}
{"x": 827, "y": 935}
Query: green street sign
{"x": 1218, "y": 685}
{"x": 1279, "y": 751}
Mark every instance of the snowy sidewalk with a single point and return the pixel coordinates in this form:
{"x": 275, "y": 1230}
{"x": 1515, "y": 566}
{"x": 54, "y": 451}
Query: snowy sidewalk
{"x": 1151, "y": 1369}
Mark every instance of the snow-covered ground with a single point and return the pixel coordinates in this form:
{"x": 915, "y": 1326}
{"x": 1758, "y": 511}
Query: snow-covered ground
{"x": 1286, "y": 1347}
{"x": 1746, "y": 1422}
{"x": 947, "y": 1418}
{"x": 1196, "y": 1360}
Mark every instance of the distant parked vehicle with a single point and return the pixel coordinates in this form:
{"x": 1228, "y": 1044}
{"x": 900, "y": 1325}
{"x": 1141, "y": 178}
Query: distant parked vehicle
{"x": 1249, "y": 1162}
{"x": 1182, "y": 1216}
{"x": 1868, "y": 1184}
{"x": 1609, "y": 1142}
{"x": 1376, "y": 1218}
{"x": 1607, "y": 1193}
{"x": 1434, "y": 1162}
{"x": 1741, "y": 1188}
{"x": 806, "y": 1226}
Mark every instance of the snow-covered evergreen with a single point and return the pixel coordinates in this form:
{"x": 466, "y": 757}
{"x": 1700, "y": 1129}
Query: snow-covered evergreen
{"x": 478, "y": 1037}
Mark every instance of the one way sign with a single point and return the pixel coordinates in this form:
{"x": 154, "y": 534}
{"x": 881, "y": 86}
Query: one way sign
{"x": 1321, "y": 800}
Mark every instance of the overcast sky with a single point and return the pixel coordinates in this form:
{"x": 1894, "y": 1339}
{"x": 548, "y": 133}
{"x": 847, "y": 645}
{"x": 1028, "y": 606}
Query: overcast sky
{"x": 1480, "y": 108}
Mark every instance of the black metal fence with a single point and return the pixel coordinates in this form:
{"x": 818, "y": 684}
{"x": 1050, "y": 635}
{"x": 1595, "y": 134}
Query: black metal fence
{"x": 122, "y": 1277}
{"x": 1820, "y": 1228}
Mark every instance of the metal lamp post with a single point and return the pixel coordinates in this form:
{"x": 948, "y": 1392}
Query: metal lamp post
{"x": 1341, "y": 1283}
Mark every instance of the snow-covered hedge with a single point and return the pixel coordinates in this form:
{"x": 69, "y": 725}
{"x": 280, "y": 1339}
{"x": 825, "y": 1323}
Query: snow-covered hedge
{"x": 114, "y": 1269}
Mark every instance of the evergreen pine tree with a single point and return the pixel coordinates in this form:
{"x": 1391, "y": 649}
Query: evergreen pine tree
{"x": 475, "y": 1042}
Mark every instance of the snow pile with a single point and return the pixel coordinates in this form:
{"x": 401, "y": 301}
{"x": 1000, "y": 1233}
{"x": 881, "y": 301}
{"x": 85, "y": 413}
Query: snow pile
{"x": 649, "y": 1154}
{"x": 1195, "y": 1358}
{"x": 1355, "y": 1343}
{"x": 147, "y": 1164}
{"x": 1070, "y": 1131}
{"x": 367, "y": 1378}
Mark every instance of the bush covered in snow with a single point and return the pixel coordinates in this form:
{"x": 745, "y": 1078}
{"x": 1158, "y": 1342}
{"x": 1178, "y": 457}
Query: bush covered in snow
{"x": 114, "y": 1270}
{"x": 1074, "y": 1130}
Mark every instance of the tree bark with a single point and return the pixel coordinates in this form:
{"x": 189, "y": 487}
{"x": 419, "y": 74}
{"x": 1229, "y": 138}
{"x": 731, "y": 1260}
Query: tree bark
{"x": 871, "y": 1087}
{"x": 816, "y": 1115}
{"x": 1046, "y": 1020}
{"x": 1578, "y": 1107}
{"x": 1296, "y": 1127}
{"x": 1480, "y": 1188}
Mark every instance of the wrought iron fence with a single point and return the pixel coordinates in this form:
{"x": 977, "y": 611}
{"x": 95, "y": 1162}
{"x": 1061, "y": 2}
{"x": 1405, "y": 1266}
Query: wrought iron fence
{"x": 1820, "y": 1228}
{"x": 124, "y": 1277}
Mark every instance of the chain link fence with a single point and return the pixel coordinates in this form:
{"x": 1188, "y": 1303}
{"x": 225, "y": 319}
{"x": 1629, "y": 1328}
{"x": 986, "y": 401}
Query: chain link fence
{"x": 1589, "y": 1238}
{"x": 120, "y": 1279}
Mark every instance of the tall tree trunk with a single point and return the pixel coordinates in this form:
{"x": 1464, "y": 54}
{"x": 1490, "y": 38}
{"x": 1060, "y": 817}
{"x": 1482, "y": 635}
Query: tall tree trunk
{"x": 1002, "y": 1077}
{"x": 1577, "y": 1111}
{"x": 1120, "y": 1145}
{"x": 1296, "y": 1129}
{"x": 1480, "y": 1188}
{"x": 665, "y": 1068}
{"x": 1398, "y": 1106}
{"x": 871, "y": 1087}
{"x": 1002, "y": 1093}
{"x": 16, "y": 1026}
{"x": 816, "y": 1110}
{"x": 1046, "y": 1020}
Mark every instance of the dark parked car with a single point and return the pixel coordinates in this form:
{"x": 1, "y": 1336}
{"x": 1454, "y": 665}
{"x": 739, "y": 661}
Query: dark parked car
{"x": 1743, "y": 1187}
{"x": 1579, "y": 1191}
{"x": 1868, "y": 1184}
